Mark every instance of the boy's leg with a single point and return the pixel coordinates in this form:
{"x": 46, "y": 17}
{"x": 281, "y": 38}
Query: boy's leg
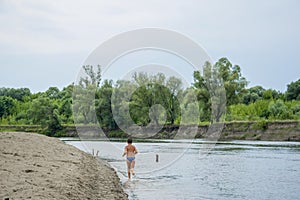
{"x": 128, "y": 168}
{"x": 132, "y": 167}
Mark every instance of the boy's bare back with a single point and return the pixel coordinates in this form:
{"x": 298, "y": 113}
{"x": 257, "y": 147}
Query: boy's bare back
{"x": 130, "y": 150}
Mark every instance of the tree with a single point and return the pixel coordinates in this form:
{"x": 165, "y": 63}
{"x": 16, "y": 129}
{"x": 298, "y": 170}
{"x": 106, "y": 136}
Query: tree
{"x": 174, "y": 86}
{"x": 45, "y": 113}
{"x": 253, "y": 94}
{"x": 65, "y": 104}
{"x": 272, "y": 95}
{"x": 233, "y": 80}
{"x": 84, "y": 95}
{"x": 293, "y": 91}
{"x": 151, "y": 92}
{"x": 53, "y": 93}
{"x": 103, "y": 105}
{"x": 18, "y": 94}
{"x": 211, "y": 93}
{"x": 148, "y": 94}
{"x": 120, "y": 102}
{"x": 7, "y": 105}
{"x": 91, "y": 77}
{"x": 65, "y": 111}
{"x": 189, "y": 107}
{"x": 203, "y": 96}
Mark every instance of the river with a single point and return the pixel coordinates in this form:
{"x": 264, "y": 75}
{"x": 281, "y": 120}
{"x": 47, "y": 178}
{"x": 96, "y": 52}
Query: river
{"x": 187, "y": 169}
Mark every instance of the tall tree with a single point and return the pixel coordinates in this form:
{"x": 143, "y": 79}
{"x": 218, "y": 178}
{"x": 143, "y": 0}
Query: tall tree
{"x": 84, "y": 95}
{"x": 211, "y": 93}
{"x": 233, "y": 80}
{"x": 103, "y": 105}
{"x": 174, "y": 85}
{"x": 154, "y": 95}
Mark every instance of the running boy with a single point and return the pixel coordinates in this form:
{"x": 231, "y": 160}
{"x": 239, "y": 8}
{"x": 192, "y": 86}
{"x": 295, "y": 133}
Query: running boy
{"x": 130, "y": 151}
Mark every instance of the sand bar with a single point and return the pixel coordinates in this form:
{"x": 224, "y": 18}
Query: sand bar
{"x": 34, "y": 166}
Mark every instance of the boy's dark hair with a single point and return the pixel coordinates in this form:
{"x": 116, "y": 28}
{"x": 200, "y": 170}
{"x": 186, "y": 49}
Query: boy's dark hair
{"x": 129, "y": 141}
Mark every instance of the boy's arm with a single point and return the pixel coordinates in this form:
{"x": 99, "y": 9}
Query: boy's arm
{"x": 135, "y": 150}
{"x": 125, "y": 152}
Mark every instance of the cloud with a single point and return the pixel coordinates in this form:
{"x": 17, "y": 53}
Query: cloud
{"x": 68, "y": 26}
{"x": 258, "y": 35}
{"x": 72, "y": 26}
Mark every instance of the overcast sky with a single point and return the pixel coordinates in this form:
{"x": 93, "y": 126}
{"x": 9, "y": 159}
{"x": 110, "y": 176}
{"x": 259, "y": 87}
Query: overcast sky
{"x": 44, "y": 43}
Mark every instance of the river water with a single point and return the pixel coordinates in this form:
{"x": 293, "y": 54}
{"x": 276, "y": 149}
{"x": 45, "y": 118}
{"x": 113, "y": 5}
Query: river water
{"x": 188, "y": 169}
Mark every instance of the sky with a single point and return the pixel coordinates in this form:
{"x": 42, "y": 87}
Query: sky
{"x": 44, "y": 43}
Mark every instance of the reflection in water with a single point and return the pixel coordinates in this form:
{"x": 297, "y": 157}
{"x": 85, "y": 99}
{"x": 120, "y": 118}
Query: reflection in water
{"x": 232, "y": 170}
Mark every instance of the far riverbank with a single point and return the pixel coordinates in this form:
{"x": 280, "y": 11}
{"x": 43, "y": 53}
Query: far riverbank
{"x": 254, "y": 130}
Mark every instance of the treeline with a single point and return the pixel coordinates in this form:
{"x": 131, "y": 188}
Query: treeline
{"x": 219, "y": 93}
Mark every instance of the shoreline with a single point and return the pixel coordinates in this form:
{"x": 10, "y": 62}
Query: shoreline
{"x": 39, "y": 167}
{"x": 235, "y": 130}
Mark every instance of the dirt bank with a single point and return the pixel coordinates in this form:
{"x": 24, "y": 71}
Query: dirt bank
{"x": 34, "y": 166}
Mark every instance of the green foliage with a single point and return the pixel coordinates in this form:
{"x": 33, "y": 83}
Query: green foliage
{"x": 221, "y": 84}
{"x": 272, "y": 95}
{"x": 7, "y": 105}
{"x": 84, "y": 95}
{"x": 278, "y": 110}
{"x": 136, "y": 101}
{"x": 233, "y": 80}
{"x": 264, "y": 109}
{"x": 17, "y": 94}
{"x": 152, "y": 91}
{"x": 253, "y": 94}
{"x": 53, "y": 93}
{"x": 92, "y": 77}
{"x": 293, "y": 91}
{"x": 45, "y": 112}
{"x": 103, "y": 106}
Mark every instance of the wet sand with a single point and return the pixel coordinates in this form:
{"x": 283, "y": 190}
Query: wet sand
{"x": 34, "y": 166}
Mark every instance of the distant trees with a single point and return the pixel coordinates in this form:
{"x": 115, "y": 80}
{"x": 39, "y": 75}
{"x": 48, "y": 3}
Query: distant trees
{"x": 148, "y": 99}
{"x": 17, "y": 94}
{"x": 50, "y": 109}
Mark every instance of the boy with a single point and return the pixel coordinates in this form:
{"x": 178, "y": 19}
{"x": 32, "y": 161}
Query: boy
{"x": 130, "y": 151}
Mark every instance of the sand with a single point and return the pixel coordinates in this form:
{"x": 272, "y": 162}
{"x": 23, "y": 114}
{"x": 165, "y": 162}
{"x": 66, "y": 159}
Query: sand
{"x": 34, "y": 166}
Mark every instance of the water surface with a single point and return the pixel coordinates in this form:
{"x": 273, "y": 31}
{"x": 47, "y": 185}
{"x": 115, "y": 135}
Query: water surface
{"x": 231, "y": 170}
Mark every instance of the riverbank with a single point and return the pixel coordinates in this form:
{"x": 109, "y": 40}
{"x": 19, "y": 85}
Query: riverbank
{"x": 252, "y": 130}
{"x": 243, "y": 130}
{"x": 33, "y": 166}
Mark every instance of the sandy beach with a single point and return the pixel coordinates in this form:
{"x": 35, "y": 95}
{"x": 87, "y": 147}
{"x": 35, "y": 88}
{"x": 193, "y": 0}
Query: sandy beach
{"x": 34, "y": 166}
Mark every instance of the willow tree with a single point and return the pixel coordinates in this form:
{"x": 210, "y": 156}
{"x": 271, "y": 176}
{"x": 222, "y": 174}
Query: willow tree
{"x": 84, "y": 95}
{"x": 219, "y": 84}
